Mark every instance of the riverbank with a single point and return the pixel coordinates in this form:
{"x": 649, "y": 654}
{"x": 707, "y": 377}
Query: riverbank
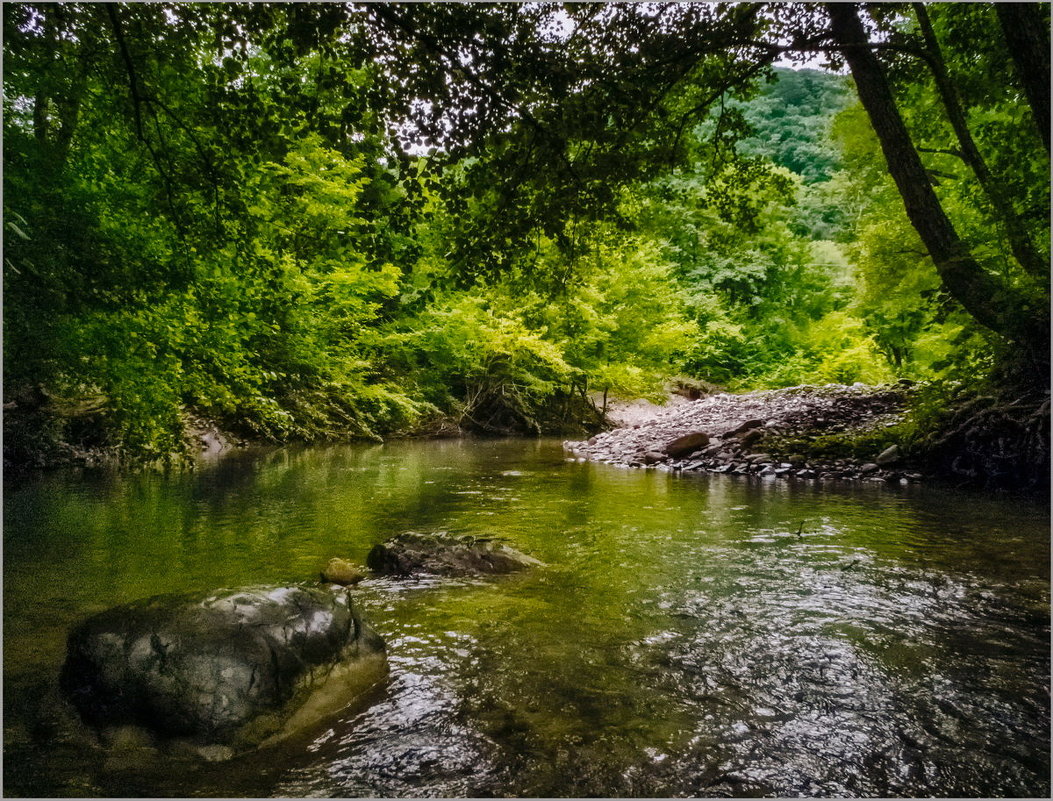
{"x": 895, "y": 433}
{"x": 813, "y": 433}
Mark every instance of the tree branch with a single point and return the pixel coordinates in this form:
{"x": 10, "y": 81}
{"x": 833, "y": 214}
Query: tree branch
{"x": 129, "y": 65}
{"x": 1019, "y": 240}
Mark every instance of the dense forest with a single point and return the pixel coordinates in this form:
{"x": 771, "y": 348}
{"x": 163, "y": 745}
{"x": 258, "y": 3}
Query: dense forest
{"x": 321, "y": 221}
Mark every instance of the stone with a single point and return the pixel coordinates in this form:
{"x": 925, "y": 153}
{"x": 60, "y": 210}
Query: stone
{"x": 890, "y": 455}
{"x": 653, "y": 457}
{"x": 341, "y": 571}
{"x": 756, "y": 458}
{"x": 226, "y": 668}
{"x": 742, "y": 428}
{"x": 445, "y": 555}
{"x": 682, "y": 446}
{"x": 751, "y": 437}
{"x": 869, "y": 467}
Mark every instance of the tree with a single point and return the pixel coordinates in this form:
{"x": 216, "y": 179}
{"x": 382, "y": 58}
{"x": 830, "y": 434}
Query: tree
{"x": 1026, "y": 30}
{"x": 994, "y": 302}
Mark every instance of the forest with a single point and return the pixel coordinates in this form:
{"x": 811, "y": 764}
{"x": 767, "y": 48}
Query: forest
{"x": 314, "y": 222}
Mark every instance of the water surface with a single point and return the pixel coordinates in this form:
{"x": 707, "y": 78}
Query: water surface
{"x": 690, "y": 635}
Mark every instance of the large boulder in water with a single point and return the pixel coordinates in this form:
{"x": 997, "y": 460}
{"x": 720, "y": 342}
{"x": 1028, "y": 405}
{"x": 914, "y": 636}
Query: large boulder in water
{"x": 226, "y": 668}
{"x": 445, "y": 555}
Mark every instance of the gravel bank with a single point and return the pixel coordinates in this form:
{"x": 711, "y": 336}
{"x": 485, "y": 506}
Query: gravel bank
{"x": 735, "y": 434}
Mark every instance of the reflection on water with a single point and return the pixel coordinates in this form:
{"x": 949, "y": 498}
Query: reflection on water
{"x": 691, "y": 635}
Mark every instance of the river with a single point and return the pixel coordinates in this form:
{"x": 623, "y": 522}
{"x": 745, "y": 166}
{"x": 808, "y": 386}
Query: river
{"x": 694, "y": 635}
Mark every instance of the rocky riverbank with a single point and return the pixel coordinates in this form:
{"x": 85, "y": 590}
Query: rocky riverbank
{"x": 784, "y": 433}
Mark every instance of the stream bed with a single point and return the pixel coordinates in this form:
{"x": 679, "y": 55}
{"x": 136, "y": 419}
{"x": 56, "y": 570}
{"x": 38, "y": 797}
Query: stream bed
{"x": 695, "y": 635}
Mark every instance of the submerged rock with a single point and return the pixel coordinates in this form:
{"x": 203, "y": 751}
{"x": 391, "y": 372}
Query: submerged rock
{"x": 226, "y": 668}
{"x": 445, "y": 555}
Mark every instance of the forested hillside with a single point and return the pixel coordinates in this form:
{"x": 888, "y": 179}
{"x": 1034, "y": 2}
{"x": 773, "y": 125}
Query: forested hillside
{"x": 320, "y": 221}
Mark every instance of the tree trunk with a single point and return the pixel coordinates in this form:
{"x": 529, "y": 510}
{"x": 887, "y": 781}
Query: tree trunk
{"x": 989, "y": 299}
{"x": 1019, "y": 240}
{"x": 1027, "y": 34}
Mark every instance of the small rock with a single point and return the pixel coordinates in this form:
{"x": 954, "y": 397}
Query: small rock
{"x": 749, "y": 425}
{"x": 751, "y": 437}
{"x": 890, "y": 455}
{"x": 653, "y": 457}
{"x": 341, "y": 571}
{"x": 215, "y": 753}
{"x": 869, "y": 467}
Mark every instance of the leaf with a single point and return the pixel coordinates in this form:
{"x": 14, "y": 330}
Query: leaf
{"x": 12, "y": 227}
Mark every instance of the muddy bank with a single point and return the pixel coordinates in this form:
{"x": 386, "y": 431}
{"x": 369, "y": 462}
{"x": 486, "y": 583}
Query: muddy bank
{"x": 773, "y": 433}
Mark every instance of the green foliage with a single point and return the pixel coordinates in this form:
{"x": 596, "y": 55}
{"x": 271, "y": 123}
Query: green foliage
{"x": 790, "y": 118}
{"x": 483, "y": 364}
{"x": 861, "y": 445}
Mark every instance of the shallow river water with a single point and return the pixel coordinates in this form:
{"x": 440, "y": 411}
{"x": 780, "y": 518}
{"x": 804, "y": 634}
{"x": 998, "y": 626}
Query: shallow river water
{"x": 683, "y": 640}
